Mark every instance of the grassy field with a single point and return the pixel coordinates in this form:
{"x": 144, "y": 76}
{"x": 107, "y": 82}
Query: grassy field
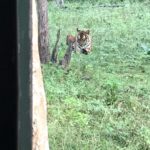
{"x": 103, "y": 102}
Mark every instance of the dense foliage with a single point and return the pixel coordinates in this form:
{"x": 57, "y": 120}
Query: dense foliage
{"x": 103, "y": 101}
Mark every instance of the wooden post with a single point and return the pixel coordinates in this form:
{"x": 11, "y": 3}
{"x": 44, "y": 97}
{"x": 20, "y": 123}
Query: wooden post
{"x": 39, "y": 122}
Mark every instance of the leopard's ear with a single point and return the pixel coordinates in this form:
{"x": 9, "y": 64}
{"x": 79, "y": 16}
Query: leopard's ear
{"x": 88, "y": 31}
{"x": 78, "y": 30}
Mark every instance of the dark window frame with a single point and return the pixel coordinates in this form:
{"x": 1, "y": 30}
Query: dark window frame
{"x": 24, "y": 62}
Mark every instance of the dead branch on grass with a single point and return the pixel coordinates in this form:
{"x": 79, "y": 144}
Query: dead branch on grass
{"x": 67, "y": 56}
{"x": 54, "y": 58}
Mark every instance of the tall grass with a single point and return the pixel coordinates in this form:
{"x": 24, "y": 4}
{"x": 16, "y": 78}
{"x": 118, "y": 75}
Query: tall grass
{"x": 103, "y": 102}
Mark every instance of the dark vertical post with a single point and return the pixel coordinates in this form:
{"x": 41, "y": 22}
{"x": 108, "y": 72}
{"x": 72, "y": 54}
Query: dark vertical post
{"x": 24, "y": 39}
{"x": 8, "y": 76}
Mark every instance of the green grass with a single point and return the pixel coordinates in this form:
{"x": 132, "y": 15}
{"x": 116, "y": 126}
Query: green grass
{"x": 103, "y": 102}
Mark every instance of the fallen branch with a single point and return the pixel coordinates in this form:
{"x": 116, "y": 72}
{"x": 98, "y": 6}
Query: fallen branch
{"x": 97, "y": 6}
{"x": 112, "y": 5}
{"x": 67, "y": 57}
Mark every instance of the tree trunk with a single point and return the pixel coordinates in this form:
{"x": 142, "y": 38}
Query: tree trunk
{"x": 39, "y": 109}
{"x": 43, "y": 31}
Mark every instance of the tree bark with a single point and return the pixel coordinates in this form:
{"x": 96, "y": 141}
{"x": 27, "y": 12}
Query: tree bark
{"x": 43, "y": 31}
{"x": 39, "y": 109}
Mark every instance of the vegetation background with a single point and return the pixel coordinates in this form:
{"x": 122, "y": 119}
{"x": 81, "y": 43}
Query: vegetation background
{"x": 103, "y": 101}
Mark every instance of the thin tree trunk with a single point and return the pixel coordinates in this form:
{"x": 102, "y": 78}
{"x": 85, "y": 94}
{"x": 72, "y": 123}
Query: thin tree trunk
{"x": 43, "y": 31}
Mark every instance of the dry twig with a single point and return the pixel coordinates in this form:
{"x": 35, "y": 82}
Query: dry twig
{"x": 54, "y": 58}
